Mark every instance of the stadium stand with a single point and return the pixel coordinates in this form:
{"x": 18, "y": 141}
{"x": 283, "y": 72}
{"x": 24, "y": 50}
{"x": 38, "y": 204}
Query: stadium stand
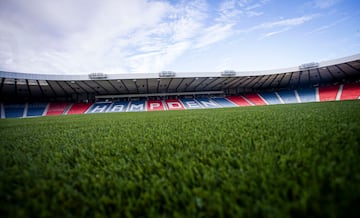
{"x": 207, "y": 103}
{"x": 57, "y": 108}
{"x": 307, "y": 95}
{"x": 169, "y": 90}
{"x": 36, "y": 109}
{"x": 223, "y": 102}
{"x": 270, "y": 97}
{"x": 255, "y": 99}
{"x": 328, "y": 93}
{"x": 79, "y": 108}
{"x": 14, "y": 110}
{"x": 174, "y": 104}
{"x": 350, "y": 91}
{"x": 155, "y": 105}
{"x": 239, "y": 100}
{"x": 288, "y": 96}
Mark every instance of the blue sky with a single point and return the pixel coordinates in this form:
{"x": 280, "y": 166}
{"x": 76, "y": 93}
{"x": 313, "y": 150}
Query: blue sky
{"x": 139, "y": 36}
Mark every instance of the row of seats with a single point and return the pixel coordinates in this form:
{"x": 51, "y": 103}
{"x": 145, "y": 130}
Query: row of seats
{"x": 329, "y": 93}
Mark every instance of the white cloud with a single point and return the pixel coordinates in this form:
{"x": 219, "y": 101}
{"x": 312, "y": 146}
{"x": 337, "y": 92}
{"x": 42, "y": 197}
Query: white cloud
{"x": 214, "y": 34}
{"x": 73, "y": 36}
{"x": 257, "y": 5}
{"x": 253, "y": 14}
{"x": 114, "y": 36}
{"x": 286, "y": 23}
{"x": 155, "y": 48}
{"x": 269, "y": 34}
{"x": 232, "y": 11}
{"x": 156, "y": 61}
{"x": 131, "y": 36}
{"x": 328, "y": 26}
{"x": 277, "y": 27}
{"x": 323, "y": 4}
{"x": 228, "y": 11}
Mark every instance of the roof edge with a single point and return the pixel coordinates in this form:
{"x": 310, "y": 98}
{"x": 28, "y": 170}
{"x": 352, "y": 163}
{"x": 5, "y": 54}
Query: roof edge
{"x": 82, "y": 77}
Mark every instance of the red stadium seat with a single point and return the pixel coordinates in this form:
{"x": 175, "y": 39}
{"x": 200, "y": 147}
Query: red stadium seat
{"x": 350, "y": 91}
{"x": 240, "y": 101}
{"x": 56, "y": 108}
{"x": 174, "y": 104}
{"x": 255, "y": 99}
{"x": 79, "y": 108}
{"x": 155, "y": 105}
{"x": 328, "y": 93}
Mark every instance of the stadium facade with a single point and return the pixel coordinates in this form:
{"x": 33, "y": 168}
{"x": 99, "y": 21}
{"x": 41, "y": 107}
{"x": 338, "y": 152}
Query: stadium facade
{"x": 26, "y": 95}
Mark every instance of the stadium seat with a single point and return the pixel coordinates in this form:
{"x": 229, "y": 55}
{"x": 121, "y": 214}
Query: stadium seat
{"x": 57, "y": 108}
{"x": 118, "y": 106}
{"x": 350, "y": 91}
{"x": 207, "y": 103}
{"x": 191, "y": 103}
{"x": 174, "y": 104}
{"x": 155, "y": 105}
{"x": 328, "y": 93}
{"x": 238, "y": 100}
{"x": 79, "y": 108}
{"x": 255, "y": 99}
{"x": 14, "y": 110}
{"x": 288, "y": 97}
{"x": 99, "y": 107}
{"x": 36, "y": 109}
{"x": 223, "y": 102}
{"x": 307, "y": 95}
{"x": 135, "y": 106}
{"x": 270, "y": 97}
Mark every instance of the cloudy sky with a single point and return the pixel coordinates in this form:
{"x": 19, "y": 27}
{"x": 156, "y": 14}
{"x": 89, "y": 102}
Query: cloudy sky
{"x": 147, "y": 36}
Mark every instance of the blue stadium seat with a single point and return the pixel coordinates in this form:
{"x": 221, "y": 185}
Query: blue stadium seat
{"x": 119, "y": 106}
{"x": 14, "y": 110}
{"x": 137, "y": 106}
{"x": 270, "y": 97}
{"x": 191, "y": 103}
{"x": 307, "y": 95}
{"x": 288, "y": 96}
{"x": 208, "y": 103}
{"x": 36, "y": 109}
{"x": 99, "y": 107}
{"x": 224, "y": 102}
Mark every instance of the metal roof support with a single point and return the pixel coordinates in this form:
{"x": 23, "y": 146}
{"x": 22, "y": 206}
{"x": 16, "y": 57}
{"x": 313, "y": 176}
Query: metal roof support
{"x": 158, "y": 94}
{"x": 2, "y": 84}
{"x": 28, "y": 87}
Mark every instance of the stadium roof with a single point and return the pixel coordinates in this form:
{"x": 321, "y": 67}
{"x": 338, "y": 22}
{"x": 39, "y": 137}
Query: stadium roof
{"x": 48, "y": 86}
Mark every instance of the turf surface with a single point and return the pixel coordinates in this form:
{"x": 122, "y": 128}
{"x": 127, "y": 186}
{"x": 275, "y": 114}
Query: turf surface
{"x": 298, "y": 160}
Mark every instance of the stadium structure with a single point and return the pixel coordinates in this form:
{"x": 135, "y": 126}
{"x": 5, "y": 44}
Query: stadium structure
{"x": 29, "y": 95}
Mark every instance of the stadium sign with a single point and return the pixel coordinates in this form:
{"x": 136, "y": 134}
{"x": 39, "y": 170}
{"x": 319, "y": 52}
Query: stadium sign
{"x": 309, "y": 66}
{"x": 152, "y": 105}
{"x": 167, "y": 74}
{"x": 228, "y": 73}
{"x": 97, "y": 76}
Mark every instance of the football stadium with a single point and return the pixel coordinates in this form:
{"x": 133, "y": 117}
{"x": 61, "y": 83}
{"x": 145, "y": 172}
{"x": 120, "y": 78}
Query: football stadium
{"x": 181, "y": 108}
{"x": 273, "y": 143}
{"x": 46, "y": 95}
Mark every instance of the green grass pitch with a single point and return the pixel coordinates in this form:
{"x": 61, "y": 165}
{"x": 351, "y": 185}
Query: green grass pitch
{"x": 300, "y": 160}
